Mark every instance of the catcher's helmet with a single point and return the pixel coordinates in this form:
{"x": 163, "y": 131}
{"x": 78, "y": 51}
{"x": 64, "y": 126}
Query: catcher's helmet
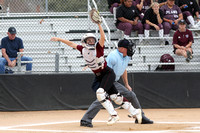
{"x": 166, "y": 58}
{"x": 84, "y": 43}
{"x": 86, "y": 36}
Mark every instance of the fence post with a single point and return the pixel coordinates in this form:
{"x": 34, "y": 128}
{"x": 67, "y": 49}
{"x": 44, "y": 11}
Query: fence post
{"x": 57, "y": 62}
{"x": 46, "y": 6}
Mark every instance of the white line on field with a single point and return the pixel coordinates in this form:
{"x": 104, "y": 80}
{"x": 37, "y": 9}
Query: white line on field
{"x": 77, "y": 121}
{"x": 74, "y": 131}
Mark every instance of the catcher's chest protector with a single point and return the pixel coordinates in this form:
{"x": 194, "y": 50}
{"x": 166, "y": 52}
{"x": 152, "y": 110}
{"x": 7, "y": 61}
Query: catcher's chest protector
{"x": 92, "y": 61}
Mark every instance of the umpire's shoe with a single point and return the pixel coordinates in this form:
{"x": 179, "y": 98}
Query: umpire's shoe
{"x": 145, "y": 120}
{"x": 86, "y": 124}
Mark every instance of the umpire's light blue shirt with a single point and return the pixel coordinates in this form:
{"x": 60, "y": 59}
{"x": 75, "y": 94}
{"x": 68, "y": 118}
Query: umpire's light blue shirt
{"x": 117, "y": 62}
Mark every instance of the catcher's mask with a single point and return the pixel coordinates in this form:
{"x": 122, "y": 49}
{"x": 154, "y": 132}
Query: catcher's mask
{"x": 91, "y": 45}
{"x": 129, "y": 45}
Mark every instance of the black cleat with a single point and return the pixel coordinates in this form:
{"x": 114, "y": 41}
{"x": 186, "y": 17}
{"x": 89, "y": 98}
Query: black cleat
{"x": 86, "y": 124}
{"x": 145, "y": 120}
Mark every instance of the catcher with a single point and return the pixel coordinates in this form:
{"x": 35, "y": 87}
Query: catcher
{"x": 93, "y": 53}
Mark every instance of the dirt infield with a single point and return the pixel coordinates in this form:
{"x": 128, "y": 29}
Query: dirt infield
{"x": 67, "y": 121}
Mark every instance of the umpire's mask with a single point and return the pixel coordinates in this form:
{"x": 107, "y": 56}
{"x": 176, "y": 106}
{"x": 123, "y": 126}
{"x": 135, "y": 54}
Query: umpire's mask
{"x": 129, "y": 45}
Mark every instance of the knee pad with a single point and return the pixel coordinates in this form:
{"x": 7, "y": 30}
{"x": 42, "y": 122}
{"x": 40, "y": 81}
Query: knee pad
{"x": 117, "y": 98}
{"x": 101, "y": 95}
{"x": 127, "y": 105}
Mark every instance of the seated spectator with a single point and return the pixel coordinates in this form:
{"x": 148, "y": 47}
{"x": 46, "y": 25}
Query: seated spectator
{"x": 190, "y": 9}
{"x": 172, "y": 14}
{"x": 10, "y": 45}
{"x": 153, "y": 19}
{"x": 182, "y": 41}
{"x": 113, "y": 3}
{"x": 127, "y": 19}
{"x": 142, "y": 6}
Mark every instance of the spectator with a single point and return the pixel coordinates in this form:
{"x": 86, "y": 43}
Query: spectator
{"x": 142, "y": 6}
{"x": 153, "y": 19}
{"x": 127, "y": 19}
{"x": 189, "y": 9}
{"x": 172, "y": 14}
{"x": 182, "y": 41}
{"x": 113, "y": 3}
{"x": 10, "y": 45}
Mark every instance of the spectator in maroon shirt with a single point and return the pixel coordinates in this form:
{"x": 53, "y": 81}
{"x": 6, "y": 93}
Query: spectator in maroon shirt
{"x": 182, "y": 41}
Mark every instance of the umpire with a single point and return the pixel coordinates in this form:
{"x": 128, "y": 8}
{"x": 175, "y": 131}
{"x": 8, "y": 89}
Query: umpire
{"x": 117, "y": 60}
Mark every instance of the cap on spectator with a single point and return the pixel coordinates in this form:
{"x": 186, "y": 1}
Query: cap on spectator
{"x": 123, "y": 43}
{"x": 12, "y": 30}
{"x": 181, "y": 22}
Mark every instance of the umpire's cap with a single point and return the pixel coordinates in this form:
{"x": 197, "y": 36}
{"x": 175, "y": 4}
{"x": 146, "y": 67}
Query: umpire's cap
{"x": 12, "y": 30}
{"x": 123, "y": 43}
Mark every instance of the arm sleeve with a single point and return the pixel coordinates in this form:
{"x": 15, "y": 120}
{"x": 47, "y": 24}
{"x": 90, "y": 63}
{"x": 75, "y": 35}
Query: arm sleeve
{"x": 146, "y": 15}
{"x": 137, "y": 14}
{"x": 21, "y": 46}
{"x": 3, "y": 43}
{"x": 80, "y": 48}
{"x": 161, "y": 14}
{"x": 162, "y": 9}
{"x": 119, "y": 12}
{"x": 179, "y": 10}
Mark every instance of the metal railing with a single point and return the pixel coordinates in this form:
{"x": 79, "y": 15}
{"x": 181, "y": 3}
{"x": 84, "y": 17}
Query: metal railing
{"x": 20, "y": 62}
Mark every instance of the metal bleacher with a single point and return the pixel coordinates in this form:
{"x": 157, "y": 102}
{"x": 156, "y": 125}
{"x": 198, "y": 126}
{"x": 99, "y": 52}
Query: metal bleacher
{"x": 37, "y": 29}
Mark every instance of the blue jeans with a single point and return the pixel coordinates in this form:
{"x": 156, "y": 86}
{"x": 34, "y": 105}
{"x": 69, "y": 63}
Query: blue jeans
{"x": 4, "y": 62}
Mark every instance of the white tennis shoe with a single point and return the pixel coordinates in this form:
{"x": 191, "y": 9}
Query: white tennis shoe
{"x": 112, "y": 120}
{"x": 138, "y": 115}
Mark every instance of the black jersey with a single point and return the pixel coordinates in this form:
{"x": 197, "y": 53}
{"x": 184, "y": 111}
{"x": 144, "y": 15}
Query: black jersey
{"x": 129, "y": 13}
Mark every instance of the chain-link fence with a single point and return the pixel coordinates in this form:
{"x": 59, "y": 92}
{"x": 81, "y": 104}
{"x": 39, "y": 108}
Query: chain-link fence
{"x": 39, "y": 6}
{"x": 36, "y": 21}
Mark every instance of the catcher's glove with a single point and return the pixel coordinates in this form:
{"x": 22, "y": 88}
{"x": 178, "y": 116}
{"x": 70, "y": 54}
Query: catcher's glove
{"x": 95, "y": 17}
